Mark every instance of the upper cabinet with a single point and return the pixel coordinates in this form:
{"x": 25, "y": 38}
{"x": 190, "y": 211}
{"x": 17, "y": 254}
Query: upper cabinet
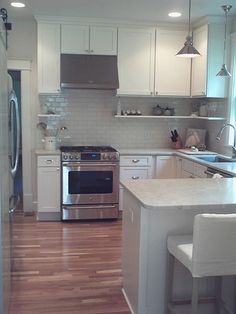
{"x": 172, "y": 75}
{"x": 48, "y": 58}
{"x": 209, "y": 41}
{"x": 136, "y": 50}
{"x": 143, "y": 60}
{"x": 84, "y": 39}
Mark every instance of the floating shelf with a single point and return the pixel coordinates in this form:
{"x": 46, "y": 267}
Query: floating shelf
{"x": 44, "y": 115}
{"x": 169, "y": 117}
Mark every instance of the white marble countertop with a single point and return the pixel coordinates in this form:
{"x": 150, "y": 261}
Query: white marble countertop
{"x": 180, "y": 193}
{"x": 228, "y": 167}
{"x": 47, "y": 152}
{"x": 146, "y": 151}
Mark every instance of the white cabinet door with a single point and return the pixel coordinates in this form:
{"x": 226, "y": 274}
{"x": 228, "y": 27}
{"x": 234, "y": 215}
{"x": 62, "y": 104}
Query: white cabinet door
{"x": 209, "y": 41}
{"x": 85, "y": 39}
{"x": 48, "y": 176}
{"x": 136, "y": 60}
{"x": 75, "y": 39}
{"x": 200, "y": 171}
{"x": 103, "y": 40}
{"x": 199, "y": 64}
{"x": 165, "y": 167}
{"x": 48, "y": 189}
{"x": 172, "y": 73}
{"x": 48, "y": 58}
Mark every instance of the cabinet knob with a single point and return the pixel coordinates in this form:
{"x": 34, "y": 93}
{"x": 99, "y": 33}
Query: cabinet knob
{"x": 151, "y": 93}
{"x": 156, "y": 93}
{"x": 135, "y": 178}
{"x": 49, "y": 161}
{"x": 91, "y": 50}
{"x": 86, "y": 50}
{"x": 58, "y": 169}
{"x": 135, "y": 161}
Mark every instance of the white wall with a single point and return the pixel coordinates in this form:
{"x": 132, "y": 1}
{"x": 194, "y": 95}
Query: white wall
{"x": 89, "y": 116}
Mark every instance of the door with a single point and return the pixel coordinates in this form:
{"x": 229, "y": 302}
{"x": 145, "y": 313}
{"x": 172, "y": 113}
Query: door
{"x": 172, "y": 73}
{"x": 136, "y": 60}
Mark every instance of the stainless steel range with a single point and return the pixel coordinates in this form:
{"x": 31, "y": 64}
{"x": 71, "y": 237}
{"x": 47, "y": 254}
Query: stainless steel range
{"x": 90, "y": 182}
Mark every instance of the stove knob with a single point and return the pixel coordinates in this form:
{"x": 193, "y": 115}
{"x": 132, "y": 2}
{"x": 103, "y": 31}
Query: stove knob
{"x": 65, "y": 157}
{"x": 71, "y": 156}
{"x": 77, "y": 157}
{"x": 104, "y": 157}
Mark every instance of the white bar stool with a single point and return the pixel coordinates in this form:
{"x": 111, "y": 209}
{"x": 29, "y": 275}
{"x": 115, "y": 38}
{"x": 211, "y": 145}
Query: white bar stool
{"x": 210, "y": 251}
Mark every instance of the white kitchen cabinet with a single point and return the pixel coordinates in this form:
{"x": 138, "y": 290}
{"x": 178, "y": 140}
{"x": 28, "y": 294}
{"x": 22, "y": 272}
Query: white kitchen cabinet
{"x": 48, "y": 58}
{"x": 134, "y": 168}
{"x": 209, "y": 41}
{"x": 136, "y": 49}
{"x": 172, "y": 74}
{"x": 200, "y": 171}
{"x": 48, "y": 179}
{"x": 85, "y": 39}
{"x": 190, "y": 169}
{"x": 165, "y": 167}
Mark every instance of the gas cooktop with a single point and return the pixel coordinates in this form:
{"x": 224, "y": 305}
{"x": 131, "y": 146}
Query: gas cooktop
{"x": 87, "y": 149}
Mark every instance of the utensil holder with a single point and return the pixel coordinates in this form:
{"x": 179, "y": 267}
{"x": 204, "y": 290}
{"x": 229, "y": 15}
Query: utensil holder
{"x": 178, "y": 144}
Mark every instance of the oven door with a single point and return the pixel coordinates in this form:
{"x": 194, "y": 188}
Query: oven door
{"x": 90, "y": 183}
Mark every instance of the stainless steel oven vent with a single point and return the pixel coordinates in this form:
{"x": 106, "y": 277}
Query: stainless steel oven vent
{"x": 89, "y": 72}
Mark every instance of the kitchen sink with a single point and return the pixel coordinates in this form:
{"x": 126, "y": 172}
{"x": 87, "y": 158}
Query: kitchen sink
{"x": 215, "y": 158}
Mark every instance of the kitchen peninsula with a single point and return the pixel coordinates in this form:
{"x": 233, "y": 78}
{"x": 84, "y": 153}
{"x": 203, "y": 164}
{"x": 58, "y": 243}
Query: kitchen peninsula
{"x": 154, "y": 209}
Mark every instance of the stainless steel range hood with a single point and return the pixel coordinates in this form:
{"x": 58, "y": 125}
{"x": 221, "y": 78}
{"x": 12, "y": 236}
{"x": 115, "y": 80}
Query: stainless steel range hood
{"x": 89, "y": 71}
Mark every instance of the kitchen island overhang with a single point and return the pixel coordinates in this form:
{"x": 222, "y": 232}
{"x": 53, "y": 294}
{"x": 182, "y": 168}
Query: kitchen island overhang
{"x": 154, "y": 209}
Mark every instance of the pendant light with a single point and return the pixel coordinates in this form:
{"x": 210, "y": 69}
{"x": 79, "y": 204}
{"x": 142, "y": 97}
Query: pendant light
{"x": 188, "y": 51}
{"x": 224, "y": 71}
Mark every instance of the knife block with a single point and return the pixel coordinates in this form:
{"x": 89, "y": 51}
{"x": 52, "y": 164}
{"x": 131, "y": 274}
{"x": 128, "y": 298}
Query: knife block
{"x": 178, "y": 144}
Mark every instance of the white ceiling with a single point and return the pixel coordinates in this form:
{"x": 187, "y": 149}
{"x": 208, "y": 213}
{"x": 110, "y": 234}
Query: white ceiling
{"x": 146, "y": 10}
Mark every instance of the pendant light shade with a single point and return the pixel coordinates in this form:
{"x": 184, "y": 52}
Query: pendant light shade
{"x": 224, "y": 71}
{"x": 188, "y": 51}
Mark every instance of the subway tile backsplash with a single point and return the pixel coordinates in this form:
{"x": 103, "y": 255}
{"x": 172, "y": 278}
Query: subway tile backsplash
{"x": 90, "y": 118}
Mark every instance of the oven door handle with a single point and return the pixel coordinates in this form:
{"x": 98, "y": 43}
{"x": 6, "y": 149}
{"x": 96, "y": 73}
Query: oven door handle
{"x": 82, "y": 164}
{"x": 88, "y": 206}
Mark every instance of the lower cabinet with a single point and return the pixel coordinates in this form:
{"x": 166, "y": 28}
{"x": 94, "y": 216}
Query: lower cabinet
{"x": 134, "y": 168}
{"x": 190, "y": 169}
{"x": 165, "y": 167}
{"x": 48, "y": 177}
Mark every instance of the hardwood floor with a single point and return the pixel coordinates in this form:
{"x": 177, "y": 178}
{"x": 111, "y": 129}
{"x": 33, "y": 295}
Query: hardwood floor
{"x": 66, "y": 268}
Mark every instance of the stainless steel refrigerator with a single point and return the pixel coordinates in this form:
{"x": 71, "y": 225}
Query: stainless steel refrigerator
{"x": 9, "y": 149}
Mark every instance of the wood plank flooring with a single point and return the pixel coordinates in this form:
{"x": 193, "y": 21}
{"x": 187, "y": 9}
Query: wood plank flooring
{"x": 66, "y": 268}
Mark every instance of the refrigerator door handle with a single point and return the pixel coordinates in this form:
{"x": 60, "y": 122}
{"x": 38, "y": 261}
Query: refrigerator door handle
{"x": 15, "y": 108}
{"x": 14, "y": 201}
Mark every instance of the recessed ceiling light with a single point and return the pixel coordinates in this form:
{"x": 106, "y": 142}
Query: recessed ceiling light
{"x": 174, "y": 14}
{"x": 18, "y": 4}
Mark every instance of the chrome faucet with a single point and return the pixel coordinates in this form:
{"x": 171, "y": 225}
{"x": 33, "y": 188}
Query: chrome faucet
{"x": 218, "y": 137}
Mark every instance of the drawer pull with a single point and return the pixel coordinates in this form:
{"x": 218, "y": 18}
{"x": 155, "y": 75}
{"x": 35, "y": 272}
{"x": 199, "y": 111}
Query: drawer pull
{"x": 49, "y": 161}
{"x": 135, "y": 178}
{"x": 135, "y": 161}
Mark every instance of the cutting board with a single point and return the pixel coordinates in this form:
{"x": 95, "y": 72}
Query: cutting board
{"x": 191, "y": 152}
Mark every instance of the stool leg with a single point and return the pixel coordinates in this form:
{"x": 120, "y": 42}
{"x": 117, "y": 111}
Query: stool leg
{"x": 194, "y": 302}
{"x": 169, "y": 281}
{"x": 218, "y": 284}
